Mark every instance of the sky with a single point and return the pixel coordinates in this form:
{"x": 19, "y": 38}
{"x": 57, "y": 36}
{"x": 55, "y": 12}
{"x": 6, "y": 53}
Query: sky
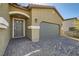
{"x": 67, "y": 10}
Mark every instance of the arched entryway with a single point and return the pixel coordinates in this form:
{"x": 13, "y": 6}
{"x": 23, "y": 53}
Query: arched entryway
{"x": 18, "y": 24}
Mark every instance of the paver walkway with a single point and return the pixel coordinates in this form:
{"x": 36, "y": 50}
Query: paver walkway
{"x": 56, "y": 46}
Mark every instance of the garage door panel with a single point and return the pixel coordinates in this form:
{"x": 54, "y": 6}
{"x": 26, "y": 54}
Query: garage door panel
{"x": 49, "y": 30}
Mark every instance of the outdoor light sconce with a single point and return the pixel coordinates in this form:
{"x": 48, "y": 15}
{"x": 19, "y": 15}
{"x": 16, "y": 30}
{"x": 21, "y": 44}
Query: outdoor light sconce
{"x": 3, "y": 23}
{"x": 35, "y": 20}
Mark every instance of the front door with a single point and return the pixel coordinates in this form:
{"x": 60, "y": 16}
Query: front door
{"x": 18, "y": 28}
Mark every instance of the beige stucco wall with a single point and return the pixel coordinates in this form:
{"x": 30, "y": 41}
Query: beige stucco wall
{"x": 47, "y": 15}
{"x": 28, "y": 31}
{"x": 4, "y": 33}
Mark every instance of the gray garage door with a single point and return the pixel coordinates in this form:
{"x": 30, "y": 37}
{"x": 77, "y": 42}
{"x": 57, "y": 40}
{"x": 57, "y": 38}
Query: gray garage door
{"x": 48, "y": 30}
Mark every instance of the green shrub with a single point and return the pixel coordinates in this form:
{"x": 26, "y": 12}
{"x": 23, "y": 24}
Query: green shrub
{"x": 72, "y": 29}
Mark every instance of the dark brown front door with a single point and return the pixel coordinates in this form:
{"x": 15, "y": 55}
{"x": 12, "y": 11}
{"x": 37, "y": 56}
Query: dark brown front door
{"x": 18, "y": 28}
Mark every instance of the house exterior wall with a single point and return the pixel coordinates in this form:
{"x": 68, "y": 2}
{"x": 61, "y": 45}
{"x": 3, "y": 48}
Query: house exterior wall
{"x": 28, "y": 31}
{"x": 4, "y": 33}
{"x": 47, "y": 15}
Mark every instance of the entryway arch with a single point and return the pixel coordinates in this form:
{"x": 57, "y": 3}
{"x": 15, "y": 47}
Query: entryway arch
{"x": 18, "y": 23}
{"x": 18, "y": 12}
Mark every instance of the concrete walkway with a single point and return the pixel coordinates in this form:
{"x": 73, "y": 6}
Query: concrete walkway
{"x": 56, "y": 46}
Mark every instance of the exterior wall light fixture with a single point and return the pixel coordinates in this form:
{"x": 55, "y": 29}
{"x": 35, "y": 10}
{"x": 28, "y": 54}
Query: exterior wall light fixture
{"x": 36, "y": 20}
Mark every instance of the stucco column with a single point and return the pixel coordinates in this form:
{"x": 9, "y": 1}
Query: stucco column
{"x": 34, "y": 33}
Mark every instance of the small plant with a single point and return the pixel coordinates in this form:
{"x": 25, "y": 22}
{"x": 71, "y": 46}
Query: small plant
{"x": 75, "y": 32}
{"x": 72, "y": 29}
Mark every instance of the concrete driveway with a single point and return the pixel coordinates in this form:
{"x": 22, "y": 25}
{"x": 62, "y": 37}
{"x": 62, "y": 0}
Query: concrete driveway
{"x": 56, "y": 46}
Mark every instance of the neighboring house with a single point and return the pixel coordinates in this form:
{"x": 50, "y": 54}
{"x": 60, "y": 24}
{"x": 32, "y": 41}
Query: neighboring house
{"x": 71, "y": 22}
{"x": 27, "y": 22}
{"x": 71, "y": 27}
{"x": 68, "y": 23}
